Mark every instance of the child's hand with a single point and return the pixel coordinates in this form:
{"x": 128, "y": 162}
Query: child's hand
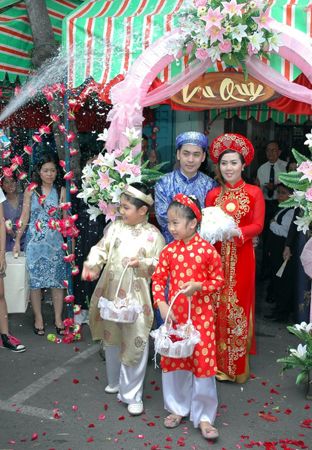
{"x": 163, "y": 309}
{"x": 89, "y": 274}
{"x": 190, "y": 287}
{"x": 133, "y": 262}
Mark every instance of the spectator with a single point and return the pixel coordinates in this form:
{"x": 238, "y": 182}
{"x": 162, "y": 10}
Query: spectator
{"x": 43, "y": 245}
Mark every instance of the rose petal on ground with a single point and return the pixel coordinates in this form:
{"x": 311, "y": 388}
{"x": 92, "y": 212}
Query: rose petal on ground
{"x": 121, "y": 418}
{"x": 288, "y": 411}
{"x": 34, "y": 436}
{"x": 90, "y": 439}
{"x": 151, "y": 424}
{"x": 75, "y": 381}
{"x": 91, "y": 425}
{"x": 102, "y": 417}
{"x": 274, "y": 391}
{"x": 105, "y": 406}
{"x": 75, "y": 408}
{"x": 267, "y": 416}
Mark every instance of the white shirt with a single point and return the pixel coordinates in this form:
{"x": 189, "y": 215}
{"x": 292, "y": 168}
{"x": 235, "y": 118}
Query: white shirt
{"x": 2, "y": 196}
{"x": 282, "y": 229}
{"x": 263, "y": 175}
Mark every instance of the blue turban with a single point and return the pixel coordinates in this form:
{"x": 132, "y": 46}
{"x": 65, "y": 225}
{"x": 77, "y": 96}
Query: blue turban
{"x": 193, "y": 138}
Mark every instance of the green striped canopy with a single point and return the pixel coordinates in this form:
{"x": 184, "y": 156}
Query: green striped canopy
{"x": 104, "y": 37}
{"x": 16, "y": 41}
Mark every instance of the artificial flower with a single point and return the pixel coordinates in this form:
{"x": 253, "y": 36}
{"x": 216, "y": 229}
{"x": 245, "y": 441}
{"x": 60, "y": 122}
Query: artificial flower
{"x": 27, "y": 149}
{"x": 103, "y": 136}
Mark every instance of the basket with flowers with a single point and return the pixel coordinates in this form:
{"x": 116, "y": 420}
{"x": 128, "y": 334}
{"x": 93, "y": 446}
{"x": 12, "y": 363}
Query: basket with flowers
{"x": 106, "y": 177}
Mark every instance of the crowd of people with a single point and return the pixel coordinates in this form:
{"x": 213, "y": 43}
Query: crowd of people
{"x": 216, "y": 282}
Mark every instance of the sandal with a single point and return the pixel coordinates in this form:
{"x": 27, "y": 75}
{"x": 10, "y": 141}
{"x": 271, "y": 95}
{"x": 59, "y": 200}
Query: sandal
{"x": 172, "y": 421}
{"x": 60, "y": 330}
{"x": 39, "y": 331}
{"x": 208, "y": 431}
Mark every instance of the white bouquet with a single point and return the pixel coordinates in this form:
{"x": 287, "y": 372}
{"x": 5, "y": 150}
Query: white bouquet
{"x": 216, "y": 225}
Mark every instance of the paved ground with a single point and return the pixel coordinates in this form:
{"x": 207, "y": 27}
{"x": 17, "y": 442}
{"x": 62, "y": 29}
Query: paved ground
{"x": 52, "y": 397}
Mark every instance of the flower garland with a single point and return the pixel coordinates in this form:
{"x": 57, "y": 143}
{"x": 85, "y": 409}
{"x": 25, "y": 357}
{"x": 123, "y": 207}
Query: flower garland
{"x": 301, "y": 181}
{"x": 65, "y": 226}
{"x": 226, "y": 30}
{"x": 104, "y": 180}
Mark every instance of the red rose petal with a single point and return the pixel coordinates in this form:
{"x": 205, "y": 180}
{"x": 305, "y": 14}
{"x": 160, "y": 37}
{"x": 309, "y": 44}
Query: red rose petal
{"x": 121, "y": 418}
{"x": 151, "y": 424}
{"x": 75, "y": 381}
{"x": 102, "y": 417}
{"x": 273, "y": 391}
{"x": 105, "y": 406}
{"x": 34, "y": 436}
{"x": 287, "y": 411}
{"x": 267, "y": 416}
{"x": 91, "y": 425}
{"x": 90, "y": 439}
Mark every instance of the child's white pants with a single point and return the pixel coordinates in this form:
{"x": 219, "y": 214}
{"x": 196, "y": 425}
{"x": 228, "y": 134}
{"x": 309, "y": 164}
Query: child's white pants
{"x": 129, "y": 378}
{"x": 184, "y": 394}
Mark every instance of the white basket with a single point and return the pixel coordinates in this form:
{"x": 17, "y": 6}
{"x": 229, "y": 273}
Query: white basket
{"x": 121, "y": 310}
{"x": 165, "y": 335}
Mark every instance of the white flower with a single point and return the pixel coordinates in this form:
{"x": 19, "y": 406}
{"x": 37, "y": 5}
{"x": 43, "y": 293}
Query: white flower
{"x": 302, "y": 223}
{"x": 214, "y": 53}
{"x": 274, "y": 43}
{"x": 115, "y": 194}
{"x": 298, "y": 195}
{"x": 99, "y": 160}
{"x": 85, "y": 193}
{"x": 94, "y": 212}
{"x": 87, "y": 172}
{"x": 303, "y": 326}
{"x": 300, "y": 351}
{"x": 238, "y": 32}
{"x": 309, "y": 139}
{"x": 256, "y": 39}
{"x": 132, "y": 133}
{"x": 103, "y": 136}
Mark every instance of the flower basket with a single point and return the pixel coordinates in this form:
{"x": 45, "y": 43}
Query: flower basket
{"x": 176, "y": 342}
{"x": 121, "y": 310}
{"x": 216, "y": 225}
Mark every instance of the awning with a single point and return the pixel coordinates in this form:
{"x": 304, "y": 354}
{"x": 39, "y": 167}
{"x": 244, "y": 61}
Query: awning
{"x": 104, "y": 37}
{"x": 16, "y": 40}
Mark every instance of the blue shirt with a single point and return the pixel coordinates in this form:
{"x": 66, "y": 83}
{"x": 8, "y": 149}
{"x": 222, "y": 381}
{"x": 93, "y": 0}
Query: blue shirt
{"x": 174, "y": 183}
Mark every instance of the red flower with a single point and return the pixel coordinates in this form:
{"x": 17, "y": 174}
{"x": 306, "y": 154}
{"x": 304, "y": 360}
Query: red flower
{"x": 18, "y": 160}
{"x": 64, "y": 246}
{"x": 18, "y": 224}
{"x": 75, "y": 270}
{"x": 65, "y": 283}
{"x": 52, "y": 210}
{"x": 34, "y": 436}
{"x": 6, "y": 154}
{"x": 38, "y": 225}
{"x": 7, "y": 172}
{"x": 73, "y": 152}
{"x": 28, "y": 149}
{"x": 44, "y": 129}
{"x": 37, "y": 138}
{"x": 65, "y": 206}
{"x": 69, "y": 299}
{"x": 70, "y": 137}
{"x": 69, "y": 258}
{"x": 52, "y": 224}
{"x": 41, "y": 199}
{"x": 62, "y": 128}
{"x": 22, "y": 176}
{"x": 69, "y": 175}
{"x": 55, "y": 117}
{"x": 62, "y": 163}
{"x": 73, "y": 188}
{"x": 32, "y": 186}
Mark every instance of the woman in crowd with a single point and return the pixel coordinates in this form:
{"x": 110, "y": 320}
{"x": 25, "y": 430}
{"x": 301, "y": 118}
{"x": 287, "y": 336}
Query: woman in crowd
{"x": 235, "y": 305}
{"x": 6, "y": 339}
{"x": 43, "y": 246}
{"x": 12, "y": 210}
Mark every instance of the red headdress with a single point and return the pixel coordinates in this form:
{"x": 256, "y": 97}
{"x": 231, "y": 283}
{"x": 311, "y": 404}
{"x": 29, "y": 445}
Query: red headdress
{"x": 232, "y": 141}
{"x": 187, "y": 201}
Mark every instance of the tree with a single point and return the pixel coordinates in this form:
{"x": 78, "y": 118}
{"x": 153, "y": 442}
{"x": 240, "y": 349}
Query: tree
{"x": 45, "y": 48}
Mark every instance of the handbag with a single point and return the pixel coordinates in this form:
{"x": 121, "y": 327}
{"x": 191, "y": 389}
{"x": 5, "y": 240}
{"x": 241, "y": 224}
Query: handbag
{"x": 16, "y": 284}
{"x": 176, "y": 342}
{"x": 121, "y": 310}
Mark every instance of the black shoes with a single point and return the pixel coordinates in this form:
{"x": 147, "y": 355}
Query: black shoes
{"x": 11, "y": 343}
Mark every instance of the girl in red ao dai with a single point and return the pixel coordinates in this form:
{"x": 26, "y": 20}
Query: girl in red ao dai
{"x": 192, "y": 265}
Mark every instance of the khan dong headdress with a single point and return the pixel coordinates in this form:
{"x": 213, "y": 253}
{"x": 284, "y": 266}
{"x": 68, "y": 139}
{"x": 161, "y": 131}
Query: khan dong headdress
{"x": 187, "y": 201}
{"x": 135, "y": 193}
{"x": 193, "y": 138}
{"x": 231, "y": 141}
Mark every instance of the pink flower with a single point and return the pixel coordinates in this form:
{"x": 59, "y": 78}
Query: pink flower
{"x": 226, "y": 46}
{"x": 136, "y": 170}
{"x": 306, "y": 168}
{"x": 111, "y": 212}
{"x": 69, "y": 258}
{"x": 18, "y": 160}
{"x": 64, "y": 246}
{"x": 216, "y": 34}
{"x": 73, "y": 188}
{"x": 123, "y": 167}
{"x": 41, "y": 199}
{"x": 103, "y": 206}
{"x": 75, "y": 270}
{"x": 213, "y": 18}
{"x": 62, "y": 163}
{"x": 73, "y": 151}
{"x": 18, "y": 224}
{"x": 232, "y": 8}
{"x": 264, "y": 20}
{"x": 52, "y": 210}
{"x": 199, "y": 3}
{"x": 65, "y": 206}
{"x": 62, "y": 128}
{"x": 28, "y": 149}
{"x": 65, "y": 284}
{"x": 105, "y": 180}
{"x": 48, "y": 94}
{"x": 308, "y": 194}
{"x": 201, "y": 54}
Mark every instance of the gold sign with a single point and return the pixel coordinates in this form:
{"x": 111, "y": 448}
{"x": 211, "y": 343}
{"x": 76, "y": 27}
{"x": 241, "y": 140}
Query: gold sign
{"x": 223, "y": 90}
